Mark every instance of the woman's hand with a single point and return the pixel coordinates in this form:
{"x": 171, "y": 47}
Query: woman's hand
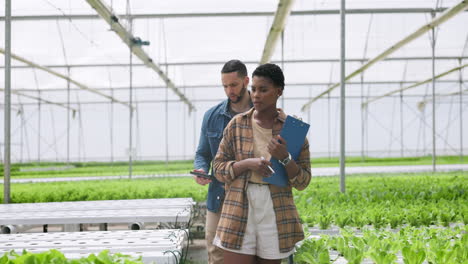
{"x": 260, "y": 165}
{"x": 278, "y": 148}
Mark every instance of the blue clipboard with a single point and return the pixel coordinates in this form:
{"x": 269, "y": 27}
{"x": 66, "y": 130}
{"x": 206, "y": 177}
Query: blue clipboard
{"x": 294, "y": 131}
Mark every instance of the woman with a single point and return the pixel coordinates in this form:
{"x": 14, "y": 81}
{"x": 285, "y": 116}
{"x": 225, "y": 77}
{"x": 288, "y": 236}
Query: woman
{"x": 259, "y": 222}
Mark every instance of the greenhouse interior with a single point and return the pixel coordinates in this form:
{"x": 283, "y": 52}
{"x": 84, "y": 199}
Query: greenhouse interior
{"x": 103, "y": 101}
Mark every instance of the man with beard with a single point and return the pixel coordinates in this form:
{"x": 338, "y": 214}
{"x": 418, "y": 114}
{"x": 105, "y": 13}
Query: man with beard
{"x": 235, "y": 80}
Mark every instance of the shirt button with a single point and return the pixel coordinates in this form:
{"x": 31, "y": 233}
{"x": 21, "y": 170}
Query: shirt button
{"x": 217, "y": 197}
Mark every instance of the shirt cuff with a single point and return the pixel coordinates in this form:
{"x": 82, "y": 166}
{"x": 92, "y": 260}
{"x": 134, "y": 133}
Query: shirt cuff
{"x": 231, "y": 170}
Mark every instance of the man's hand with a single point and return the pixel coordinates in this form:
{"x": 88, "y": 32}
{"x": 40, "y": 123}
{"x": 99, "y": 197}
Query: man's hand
{"x": 200, "y": 180}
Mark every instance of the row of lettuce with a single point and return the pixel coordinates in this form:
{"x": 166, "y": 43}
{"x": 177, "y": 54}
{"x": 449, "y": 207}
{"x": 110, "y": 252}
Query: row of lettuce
{"x": 57, "y": 257}
{"x": 379, "y": 200}
{"x": 415, "y": 206}
{"x": 120, "y": 168}
{"x": 410, "y": 245}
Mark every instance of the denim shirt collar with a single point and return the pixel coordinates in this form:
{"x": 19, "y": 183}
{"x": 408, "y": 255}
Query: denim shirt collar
{"x": 225, "y": 108}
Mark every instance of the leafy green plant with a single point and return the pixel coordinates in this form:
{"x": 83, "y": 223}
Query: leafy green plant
{"x": 56, "y": 257}
{"x": 413, "y": 254}
{"x": 325, "y": 220}
{"x": 313, "y": 251}
{"x": 342, "y": 219}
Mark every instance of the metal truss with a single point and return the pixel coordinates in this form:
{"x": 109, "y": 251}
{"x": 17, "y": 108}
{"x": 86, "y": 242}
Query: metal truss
{"x": 127, "y": 37}
{"x": 414, "y": 85}
{"x": 59, "y": 75}
{"x": 236, "y": 14}
{"x": 448, "y": 14}
{"x": 197, "y": 63}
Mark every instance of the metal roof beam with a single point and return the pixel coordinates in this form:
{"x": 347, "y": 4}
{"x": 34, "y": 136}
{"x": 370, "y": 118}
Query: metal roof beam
{"x": 106, "y": 13}
{"x": 40, "y": 99}
{"x": 219, "y": 86}
{"x": 277, "y": 27}
{"x": 461, "y": 6}
{"x": 414, "y": 85}
{"x": 195, "y": 63}
{"x": 59, "y": 75}
{"x": 149, "y": 101}
{"x": 235, "y": 14}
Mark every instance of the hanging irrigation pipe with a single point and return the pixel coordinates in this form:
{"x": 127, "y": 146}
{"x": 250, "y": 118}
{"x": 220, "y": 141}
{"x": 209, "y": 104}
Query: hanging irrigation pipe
{"x": 282, "y": 13}
{"x": 135, "y": 43}
{"x": 414, "y": 85}
{"x": 422, "y": 104}
{"x": 460, "y": 7}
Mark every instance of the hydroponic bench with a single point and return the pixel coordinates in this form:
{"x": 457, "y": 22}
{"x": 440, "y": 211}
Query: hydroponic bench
{"x": 176, "y": 211}
{"x": 163, "y": 246}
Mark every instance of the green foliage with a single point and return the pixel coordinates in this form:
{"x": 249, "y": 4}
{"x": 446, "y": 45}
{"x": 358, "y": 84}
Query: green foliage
{"x": 107, "y": 190}
{"x": 119, "y": 168}
{"x": 313, "y": 251}
{"x": 386, "y": 200}
{"x": 56, "y": 257}
{"x": 415, "y": 245}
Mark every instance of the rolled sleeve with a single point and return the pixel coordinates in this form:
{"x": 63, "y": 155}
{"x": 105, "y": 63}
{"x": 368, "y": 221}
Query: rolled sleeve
{"x": 225, "y": 159}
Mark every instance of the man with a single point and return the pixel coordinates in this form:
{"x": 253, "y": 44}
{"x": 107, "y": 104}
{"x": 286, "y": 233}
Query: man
{"x": 235, "y": 80}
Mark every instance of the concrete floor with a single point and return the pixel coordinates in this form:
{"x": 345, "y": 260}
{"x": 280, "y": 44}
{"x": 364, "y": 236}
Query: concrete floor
{"x": 197, "y": 252}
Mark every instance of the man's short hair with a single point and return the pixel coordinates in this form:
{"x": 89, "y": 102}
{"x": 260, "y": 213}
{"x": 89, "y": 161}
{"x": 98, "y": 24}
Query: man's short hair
{"x": 235, "y": 66}
{"x": 272, "y": 72}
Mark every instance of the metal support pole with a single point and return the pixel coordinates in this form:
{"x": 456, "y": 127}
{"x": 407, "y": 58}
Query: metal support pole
{"x": 401, "y": 111}
{"x": 433, "y": 103}
{"x": 130, "y": 139}
{"x": 362, "y": 118}
{"x": 68, "y": 116}
{"x": 282, "y": 63}
{"x": 329, "y": 126}
{"x": 39, "y": 128}
{"x": 194, "y": 141}
{"x": 184, "y": 142}
{"x": 460, "y": 97}
{"x": 166, "y": 121}
{"x": 112, "y": 128}
{"x": 342, "y": 97}
{"x": 401, "y": 125}
{"x": 7, "y": 104}
{"x": 166, "y": 115}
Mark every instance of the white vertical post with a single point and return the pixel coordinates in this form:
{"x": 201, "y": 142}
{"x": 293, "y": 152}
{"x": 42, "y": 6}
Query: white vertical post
{"x": 342, "y": 96}
{"x": 130, "y": 138}
{"x": 68, "y": 116}
{"x": 7, "y": 103}
{"x": 401, "y": 124}
{"x": 282, "y": 63}
{"x": 461, "y": 111}
{"x": 39, "y": 127}
{"x": 112, "y": 127}
{"x": 433, "y": 103}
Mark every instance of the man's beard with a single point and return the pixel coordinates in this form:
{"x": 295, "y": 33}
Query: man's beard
{"x": 240, "y": 96}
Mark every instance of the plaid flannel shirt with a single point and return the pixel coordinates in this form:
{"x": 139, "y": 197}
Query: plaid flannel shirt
{"x": 237, "y": 145}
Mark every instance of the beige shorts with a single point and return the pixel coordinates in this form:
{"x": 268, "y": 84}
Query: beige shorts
{"x": 261, "y": 233}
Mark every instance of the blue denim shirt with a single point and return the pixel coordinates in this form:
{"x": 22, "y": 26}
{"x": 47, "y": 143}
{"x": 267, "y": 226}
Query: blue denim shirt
{"x": 214, "y": 122}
